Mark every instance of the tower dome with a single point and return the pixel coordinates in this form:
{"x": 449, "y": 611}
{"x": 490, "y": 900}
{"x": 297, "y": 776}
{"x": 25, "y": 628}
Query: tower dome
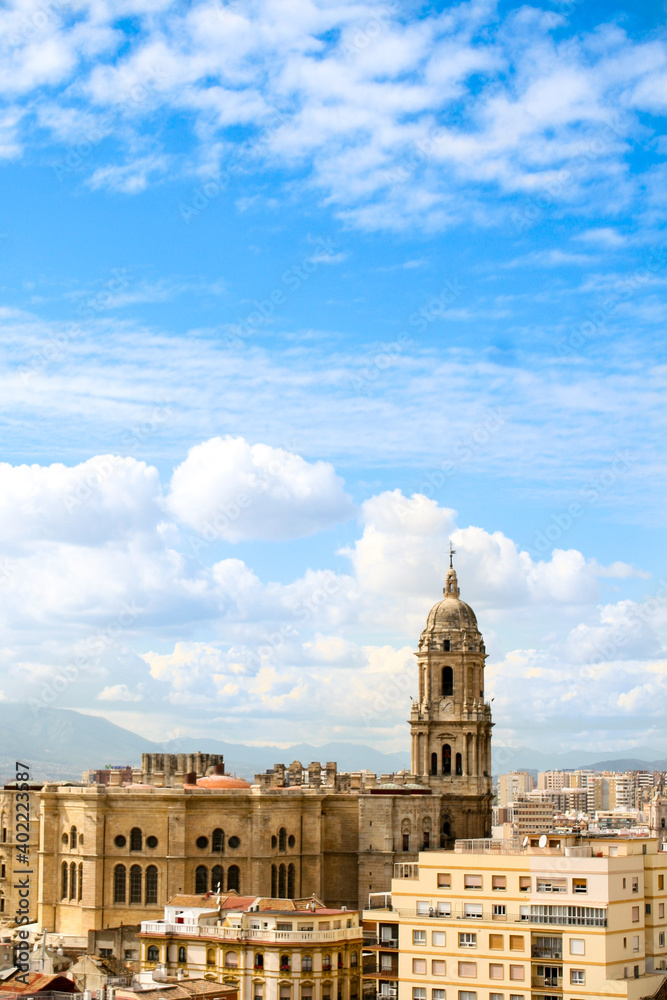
{"x": 451, "y": 612}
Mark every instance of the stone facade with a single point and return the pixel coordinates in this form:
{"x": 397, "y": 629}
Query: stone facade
{"x": 109, "y": 852}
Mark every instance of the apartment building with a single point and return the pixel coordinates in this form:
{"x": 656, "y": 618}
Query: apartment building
{"x": 513, "y": 786}
{"x": 561, "y": 918}
{"x": 268, "y": 949}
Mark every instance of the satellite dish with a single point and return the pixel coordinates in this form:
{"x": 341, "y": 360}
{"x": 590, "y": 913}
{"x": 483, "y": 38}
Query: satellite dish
{"x": 525, "y": 842}
{"x": 542, "y": 842}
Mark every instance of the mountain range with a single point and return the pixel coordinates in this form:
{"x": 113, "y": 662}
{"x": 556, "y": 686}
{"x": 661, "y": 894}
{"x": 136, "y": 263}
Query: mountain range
{"x": 60, "y": 743}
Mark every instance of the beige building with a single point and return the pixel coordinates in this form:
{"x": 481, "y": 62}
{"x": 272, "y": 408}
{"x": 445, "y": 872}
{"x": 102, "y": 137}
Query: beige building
{"x": 513, "y": 786}
{"x": 268, "y": 949}
{"x": 19, "y": 848}
{"x": 113, "y": 851}
{"x": 563, "y": 918}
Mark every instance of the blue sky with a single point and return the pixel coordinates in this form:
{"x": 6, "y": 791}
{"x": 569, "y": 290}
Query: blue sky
{"x": 389, "y": 272}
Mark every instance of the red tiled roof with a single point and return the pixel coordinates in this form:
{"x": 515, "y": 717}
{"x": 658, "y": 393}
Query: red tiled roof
{"x": 38, "y": 982}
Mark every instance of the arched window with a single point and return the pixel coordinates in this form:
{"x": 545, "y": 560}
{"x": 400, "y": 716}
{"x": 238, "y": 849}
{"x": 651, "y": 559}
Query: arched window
{"x": 2, "y": 902}
{"x": 182, "y": 955}
{"x": 72, "y": 880}
{"x": 274, "y": 881}
{"x": 217, "y": 878}
{"x": 218, "y": 841}
{"x": 446, "y": 759}
{"x": 234, "y": 878}
{"x": 259, "y": 960}
{"x": 135, "y": 884}
{"x": 447, "y": 645}
{"x": 459, "y": 764}
{"x": 231, "y": 960}
{"x": 447, "y": 681}
{"x": 282, "y": 882}
{"x": 291, "y": 880}
{"x": 153, "y": 953}
{"x": 282, "y": 839}
{"x": 151, "y": 885}
{"x": 326, "y": 963}
{"x": 72, "y": 838}
{"x": 285, "y": 964}
{"x": 201, "y": 880}
{"x": 434, "y": 763}
{"x": 135, "y": 839}
{"x": 64, "y": 880}
{"x": 80, "y": 882}
{"x": 119, "y": 876}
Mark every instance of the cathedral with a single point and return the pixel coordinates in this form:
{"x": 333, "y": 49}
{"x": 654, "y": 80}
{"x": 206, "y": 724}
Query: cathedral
{"x": 112, "y": 854}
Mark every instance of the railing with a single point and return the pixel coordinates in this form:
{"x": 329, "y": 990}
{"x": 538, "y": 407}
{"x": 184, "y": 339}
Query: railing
{"x": 250, "y": 934}
{"x": 486, "y": 845}
{"x": 537, "y": 952}
{"x": 556, "y": 919}
{"x": 374, "y": 941}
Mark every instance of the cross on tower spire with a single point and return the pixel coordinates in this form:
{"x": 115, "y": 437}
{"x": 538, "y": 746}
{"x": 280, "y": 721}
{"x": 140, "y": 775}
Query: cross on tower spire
{"x": 452, "y": 552}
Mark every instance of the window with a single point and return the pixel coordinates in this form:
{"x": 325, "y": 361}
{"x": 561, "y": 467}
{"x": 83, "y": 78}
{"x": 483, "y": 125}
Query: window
{"x": 472, "y": 881}
{"x": 418, "y": 993}
{"x": 285, "y": 964}
{"x": 524, "y": 883}
{"x": 72, "y": 881}
{"x": 447, "y": 645}
{"x": 635, "y": 883}
{"x": 498, "y": 883}
{"x": 499, "y": 911}
{"x": 135, "y": 884}
{"x": 326, "y": 959}
{"x": 291, "y": 879}
{"x": 202, "y": 843}
{"x": 259, "y": 961}
{"x": 438, "y": 967}
{"x": 552, "y": 885}
{"x": 201, "y": 880}
{"x": 661, "y": 881}
{"x": 72, "y": 838}
{"x": 467, "y": 940}
{"x": 79, "y": 893}
{"x": 419, "y": 966}
{"x": 282, "y": 839}
{"x": 135, "y": 839}
{"x": 419, "y": 937}
{"x": 495, "y": 942}
{"x": 444, "y": 909}
{"x": 577, "y": 946}
{"x": 661, "y": 939}
{"x": 151, "y": 886}
{"x": 182, "y": 955}
{"x": 120, "y": 840}
{"x": 496, "y": 970}
{"x": 406, "y": 841}
{"x": 516, "y": 972}
{"x": 119, "y": 884}
{"x": 438, "y": 939}
{"x": 516, "y": 942}
{"x": 635, "y": 914}
{"x": 423, "y": 906}
{"x": 354, "y": 959}
{"x": 64, "y": 880}
{"x": 153, "y": 954}
{"x": 437, "y": 995}
{"x": 579, "y": 885}
{"x": 459, "y": 764}
{"x": 467, "y": 995}
{"x": 446, "y": 759}
{"x": 474, "y": 910}
{"x": 447, "y": 682}
{"x": 496, "y": 996}
{"x": 635, "y": 942}
{"x": 647, "y": 909}
{"x": 624, "y": 883}
{"x": 577, "y": 977}
{"x": 217, "y": 878}
{"x": 444, "y": 880}
{"x": 151, "y": 842}
{"x": 661, "y": 910}
{"x": 427, "y": 840}
{"x": 234, "y": 878}
{"x": 231, "y": 960}
{"x": 468, "y": 970}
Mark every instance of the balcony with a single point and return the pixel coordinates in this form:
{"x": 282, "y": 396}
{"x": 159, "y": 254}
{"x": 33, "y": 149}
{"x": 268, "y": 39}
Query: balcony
{"x": 373, "y": 965}
{"x": 241, "y": 934}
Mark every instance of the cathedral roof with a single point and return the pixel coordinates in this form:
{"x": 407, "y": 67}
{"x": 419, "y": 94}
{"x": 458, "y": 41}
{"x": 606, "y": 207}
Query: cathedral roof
{"x": 451, "y": 612}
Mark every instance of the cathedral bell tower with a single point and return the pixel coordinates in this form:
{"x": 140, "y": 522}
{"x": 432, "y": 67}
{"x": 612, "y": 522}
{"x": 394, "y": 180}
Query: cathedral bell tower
{"x": 450, "y": 723}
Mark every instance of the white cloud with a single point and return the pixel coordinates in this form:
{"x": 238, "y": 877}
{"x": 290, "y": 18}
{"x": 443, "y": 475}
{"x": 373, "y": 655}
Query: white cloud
{"x": 119, "y": 692}
{"x": 230, "y": 489}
